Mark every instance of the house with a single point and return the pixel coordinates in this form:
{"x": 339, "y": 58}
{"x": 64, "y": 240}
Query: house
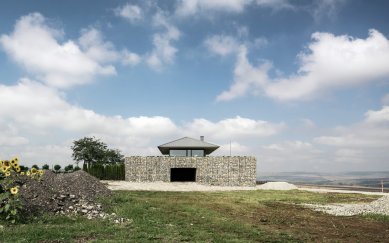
{"x": 189, "y": 160}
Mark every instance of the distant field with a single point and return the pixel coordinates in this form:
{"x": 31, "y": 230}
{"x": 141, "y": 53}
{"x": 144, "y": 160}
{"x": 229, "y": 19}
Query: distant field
{"x": 243, "y": 216}
{"x": 364, "y": 179}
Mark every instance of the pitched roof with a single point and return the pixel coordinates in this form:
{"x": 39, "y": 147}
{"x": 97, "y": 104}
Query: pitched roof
{"x": 188, "y": 143}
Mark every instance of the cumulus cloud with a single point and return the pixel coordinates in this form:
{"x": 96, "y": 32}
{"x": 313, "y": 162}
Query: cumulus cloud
{"x": 233, "y": 128}
{"x": 163, "y": 50}
{"x": 291, "y": 156}
{"x": 49, "y": 122}
{"x": 131, "y": 13}
{"x": 365, "y": 142}
{"x": 186, "y": 8}
{"x": 35, "y": 46}
{"x": 330, "y": 63}
{"x": 385, "y": 99}
{"x": 326, "y": 8}
{"x": 247, "y": 78}
{"x": 222, "y": 45}
{"x": 62, "y": 64}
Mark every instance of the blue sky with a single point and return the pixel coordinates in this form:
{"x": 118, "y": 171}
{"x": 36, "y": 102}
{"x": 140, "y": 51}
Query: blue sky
{"x": 301, "y": 85}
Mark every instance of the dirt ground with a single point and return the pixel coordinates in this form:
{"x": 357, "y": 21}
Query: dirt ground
{"x": 311, "y": 226}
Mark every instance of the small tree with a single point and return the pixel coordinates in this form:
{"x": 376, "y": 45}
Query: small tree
{"x": 68, "y": 168}
{"x": 45, "y": 167}
{"x": 76, "y": 168}
{"x": 35, "y": 166}
{"x": 90, "y": 150}
{"x": 57, "y": 168}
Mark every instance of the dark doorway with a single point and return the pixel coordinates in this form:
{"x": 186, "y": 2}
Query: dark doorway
{"x": 182, "y": 174}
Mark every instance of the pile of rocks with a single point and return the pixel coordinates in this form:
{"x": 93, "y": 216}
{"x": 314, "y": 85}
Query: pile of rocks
{"x": 380, "y": 206}
{"x": 284, "y": 186}
{"x": 67, "y": 194}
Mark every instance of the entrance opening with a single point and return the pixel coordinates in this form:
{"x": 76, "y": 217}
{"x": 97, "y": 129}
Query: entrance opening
{"x": 182, "y": 174}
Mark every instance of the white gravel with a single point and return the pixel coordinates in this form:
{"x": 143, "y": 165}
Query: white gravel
{"x": 380, "y": 206}
{"x": 277, "y": 186}
{"x": 170, "y": 186}
{"x": 191, "y": 186}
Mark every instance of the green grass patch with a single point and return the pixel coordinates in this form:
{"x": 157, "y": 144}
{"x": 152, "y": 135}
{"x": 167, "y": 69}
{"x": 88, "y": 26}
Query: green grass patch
{"x": 240, "y": 216}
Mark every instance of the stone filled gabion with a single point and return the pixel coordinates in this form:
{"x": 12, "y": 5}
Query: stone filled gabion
{"x": 212, "y": 170}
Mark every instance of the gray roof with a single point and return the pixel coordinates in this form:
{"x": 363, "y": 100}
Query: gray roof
{"x": 188, "y": 143}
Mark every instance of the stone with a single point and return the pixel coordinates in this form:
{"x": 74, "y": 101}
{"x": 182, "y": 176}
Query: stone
{"x": 210, "y": 170}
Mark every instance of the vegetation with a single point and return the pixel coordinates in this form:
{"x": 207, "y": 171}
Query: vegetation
{"x": 45, "y": 167}
{"x": 245, "y": 216}
{"x": 90, "y": 150}
{"x": 107, "y": 171}
{"x": 57, "y": 168}
{"x": 11, "y": 176}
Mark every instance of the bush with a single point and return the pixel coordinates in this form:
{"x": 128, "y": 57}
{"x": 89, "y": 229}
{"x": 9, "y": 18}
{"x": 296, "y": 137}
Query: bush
{"x": 69, "y": 168}
{"x": 10, "y": 181}
{"x": 57, "y": 168}
{"x": 106, "y": 171}
{"x": 35, "y": 166}
{"x": 77, "y": 168}
{"x": 45, "y": 167}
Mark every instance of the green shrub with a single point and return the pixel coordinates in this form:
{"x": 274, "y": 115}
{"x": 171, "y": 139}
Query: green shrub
{"x": 10, "y": 171}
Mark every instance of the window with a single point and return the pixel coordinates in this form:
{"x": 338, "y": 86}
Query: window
{"x": 197, "y": 153}
{"x": 187, "y": 152}
{"x": 177, "y": 152}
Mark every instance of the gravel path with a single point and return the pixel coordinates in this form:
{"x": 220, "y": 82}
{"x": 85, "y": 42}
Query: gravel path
{"x": 380, "y": 206}
{"x": 170, "y": 186}
{"x": 191, "y": 186}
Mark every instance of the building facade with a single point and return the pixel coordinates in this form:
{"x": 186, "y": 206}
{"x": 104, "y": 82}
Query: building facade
{"x": 188, "y": 160}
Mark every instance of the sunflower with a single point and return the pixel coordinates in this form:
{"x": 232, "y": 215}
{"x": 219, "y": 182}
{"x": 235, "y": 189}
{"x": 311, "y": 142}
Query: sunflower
{"x": 28, "y": 173}
{"x": 17, "y": 169}
{"x": 6, "y": 163}
{"x": 14, "y": 190}
{"x": 16, "y": 159}
{"x": 3, "y": 169}
{"x": 22, "y": 173}
{"x": 7, "y": 174}
{"x": 33, "y": 170}
{"x": 14, "y": 163}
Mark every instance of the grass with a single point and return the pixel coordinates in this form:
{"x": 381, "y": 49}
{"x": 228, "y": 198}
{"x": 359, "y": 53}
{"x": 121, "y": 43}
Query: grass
{"x": 245, "y": 216}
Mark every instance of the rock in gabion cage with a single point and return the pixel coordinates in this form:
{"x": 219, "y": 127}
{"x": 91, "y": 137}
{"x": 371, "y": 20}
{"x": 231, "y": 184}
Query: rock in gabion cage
{"x": 66, "y": 194}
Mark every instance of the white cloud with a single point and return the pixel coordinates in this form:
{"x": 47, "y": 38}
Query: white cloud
{"x": 49, "y": 124}
{"x": 222, "y": 45}
{"x": 132, "y": 13}
{"x": 35, "y": 46}
{"x": 163, "y": 52}
{"x": 332, "y": 62}
{"x": 233, "y": 128}
{"x": 326, "y": 8}
{"x": 187, "y": 8}
{"x": 365, "y": 143}
{"x": 246, "y": 77}
{"x": 291, "y": 156}
{"x": 130, "y": 58}
{"x": 275, "y": 4}
{"x": 385, "y": 99}
{"x": 234, "y": 148}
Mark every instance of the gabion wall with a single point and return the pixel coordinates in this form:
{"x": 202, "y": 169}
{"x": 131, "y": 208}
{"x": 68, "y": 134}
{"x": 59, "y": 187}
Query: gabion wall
{"x": 221, "y": 171}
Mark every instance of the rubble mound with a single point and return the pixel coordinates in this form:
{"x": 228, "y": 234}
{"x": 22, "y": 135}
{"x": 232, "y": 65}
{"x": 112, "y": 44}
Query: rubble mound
{"x": 74, "y": 192}
{"x": 277, "y": 186}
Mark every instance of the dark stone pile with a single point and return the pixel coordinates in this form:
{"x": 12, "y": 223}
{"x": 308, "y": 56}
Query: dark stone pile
{"x": 68, "y": 194}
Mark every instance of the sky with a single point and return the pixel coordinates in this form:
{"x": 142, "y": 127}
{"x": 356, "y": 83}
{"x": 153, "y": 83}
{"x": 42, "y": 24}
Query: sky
{"x": 300, "y": 85}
